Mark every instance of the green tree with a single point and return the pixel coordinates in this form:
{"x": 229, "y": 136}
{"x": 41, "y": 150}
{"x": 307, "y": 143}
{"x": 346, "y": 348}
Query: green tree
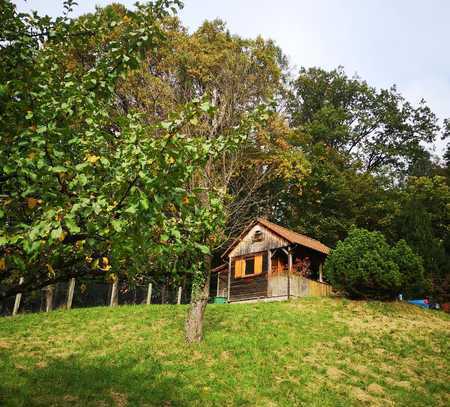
{"x": 362, "y": 266}
{"x": 423, "y": 219}
{"x": 414, "y": 283}
{"x": 377, "y": 128}
{"x": 238, "y": 74}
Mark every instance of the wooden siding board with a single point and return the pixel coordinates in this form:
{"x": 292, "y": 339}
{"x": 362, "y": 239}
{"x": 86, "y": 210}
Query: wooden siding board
{"x": 269, "y": 241}
{"x": 300, "y": 286}
{"x": 247, "y": 287}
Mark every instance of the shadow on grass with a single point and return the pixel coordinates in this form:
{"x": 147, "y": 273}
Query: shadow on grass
{"x": 99, "y": 382}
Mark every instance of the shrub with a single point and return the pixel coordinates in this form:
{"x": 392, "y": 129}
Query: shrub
{"x": 414, "y": 283}
{"x": 363, "y": 266}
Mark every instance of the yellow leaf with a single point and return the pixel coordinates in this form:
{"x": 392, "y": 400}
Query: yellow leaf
{"x": 105, "y": 260}
{"x": 2, "y": 264}
{"x": 92, "y": 158}
{"x": 32, "y": 202}
{"x": 51, "y": 270}
{"x": 62, "y": 236}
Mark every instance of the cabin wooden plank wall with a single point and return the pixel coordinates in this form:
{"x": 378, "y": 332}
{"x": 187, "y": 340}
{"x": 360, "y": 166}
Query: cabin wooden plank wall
{"x": 268, "y": 240}
{"x": 300, "y": 286}
{"x": 249, "y": 287}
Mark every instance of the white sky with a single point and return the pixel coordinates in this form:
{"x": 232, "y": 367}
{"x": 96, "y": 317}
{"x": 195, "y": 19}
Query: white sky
{"x": 402, "y": 42}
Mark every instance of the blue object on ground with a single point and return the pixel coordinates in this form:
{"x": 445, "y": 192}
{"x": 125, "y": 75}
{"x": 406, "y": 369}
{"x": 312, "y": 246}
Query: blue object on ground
{"x": 421, "y": 303}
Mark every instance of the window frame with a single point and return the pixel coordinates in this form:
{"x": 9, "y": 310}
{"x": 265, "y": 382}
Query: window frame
{"x": 248, "y": 256}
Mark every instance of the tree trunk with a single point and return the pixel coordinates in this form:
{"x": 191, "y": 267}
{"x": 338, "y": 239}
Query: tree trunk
{"x": 199, "y": 300}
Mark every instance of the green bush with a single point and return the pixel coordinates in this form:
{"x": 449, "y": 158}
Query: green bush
{"x": 365, "y": 266}
{"x": 414, "y": 283}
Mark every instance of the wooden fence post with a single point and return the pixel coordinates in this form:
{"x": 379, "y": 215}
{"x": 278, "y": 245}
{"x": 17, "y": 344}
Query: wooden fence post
{"x": 49, "y": 294}
{"x": 179, "y": 296}
{"x": 163, "y": 293}
{"x": 70, "y": 292}
{"x": 17, "y": 300}
{"x": 289, "y": 274}
{"x": 149, "y": 294}
{"x": 114, "y": 294}
{"x": 229, "y": 279}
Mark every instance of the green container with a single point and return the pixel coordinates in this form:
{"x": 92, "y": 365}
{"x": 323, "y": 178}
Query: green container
{"x": 219, "y": 300}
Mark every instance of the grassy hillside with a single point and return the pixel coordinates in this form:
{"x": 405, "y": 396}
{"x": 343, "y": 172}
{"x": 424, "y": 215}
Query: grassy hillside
{"x": 314, "y": 352}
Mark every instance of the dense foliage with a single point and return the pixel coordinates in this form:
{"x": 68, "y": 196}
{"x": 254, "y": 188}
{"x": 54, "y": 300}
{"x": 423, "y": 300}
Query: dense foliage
{"x": 365, "y": 266}
{"x": 86, "y": 187}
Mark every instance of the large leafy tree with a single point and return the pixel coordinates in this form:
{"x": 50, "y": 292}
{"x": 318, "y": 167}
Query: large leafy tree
{"x": 72, "y": 178}
{"x": 377, "y": 128}
{"x": 238, "y": 75}
{"x": 90, "y": 187}
{"x": 360, "y": 143}
{"x": 422, "y": 219}
{"x": 82, "y": 184}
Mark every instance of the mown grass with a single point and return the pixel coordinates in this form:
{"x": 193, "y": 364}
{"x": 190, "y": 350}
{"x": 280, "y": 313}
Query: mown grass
{"x": 312, "y": 352}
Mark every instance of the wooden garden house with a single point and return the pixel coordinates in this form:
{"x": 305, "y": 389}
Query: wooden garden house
{"x": 268, "y": 261}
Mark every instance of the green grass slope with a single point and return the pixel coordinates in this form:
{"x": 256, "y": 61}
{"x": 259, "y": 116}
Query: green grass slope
{"x": 312, "y": 352}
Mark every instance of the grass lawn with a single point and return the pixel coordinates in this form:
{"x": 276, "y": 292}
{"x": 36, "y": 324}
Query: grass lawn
{"x": 312, "y": 352}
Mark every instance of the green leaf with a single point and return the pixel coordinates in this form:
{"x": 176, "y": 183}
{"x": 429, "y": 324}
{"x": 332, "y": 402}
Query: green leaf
{"x": 131, "y": 209}
{"x": 56, "y": 233}
{"x": 58, "y": 169}
{"x": 204, "y": 249}
{"x": 71, "y": 225}
{"x": 117, "y": 225}
{"x": 144, "y": 202}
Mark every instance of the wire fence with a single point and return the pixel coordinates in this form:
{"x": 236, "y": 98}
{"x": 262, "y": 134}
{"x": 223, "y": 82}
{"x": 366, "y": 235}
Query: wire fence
{"x": 91, "y": 293}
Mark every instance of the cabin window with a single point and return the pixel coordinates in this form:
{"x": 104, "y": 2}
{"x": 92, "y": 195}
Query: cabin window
{"x": 248, "y": 266}
{"x": 258, "y": 236}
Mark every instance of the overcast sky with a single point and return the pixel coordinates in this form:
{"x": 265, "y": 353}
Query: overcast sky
{"x": 402, "y": 42}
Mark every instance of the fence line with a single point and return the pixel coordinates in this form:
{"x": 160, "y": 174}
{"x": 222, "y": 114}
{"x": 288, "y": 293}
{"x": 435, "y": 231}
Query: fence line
{"x": 88, "y": 293}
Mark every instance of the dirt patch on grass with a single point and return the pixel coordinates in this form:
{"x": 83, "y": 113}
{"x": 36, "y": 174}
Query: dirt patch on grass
{"x": 70, "y": 399}
{"x": 120, "y": 399}
{"x": 365, "y": 398}
{"x": 375, "y": 388}
{"x": 398, "y": 383}
{"x": 346, "y": 341}
{"x": 4, "y": 345}
{"x": 361, "y": 369}
{"x": 334, "y": 373}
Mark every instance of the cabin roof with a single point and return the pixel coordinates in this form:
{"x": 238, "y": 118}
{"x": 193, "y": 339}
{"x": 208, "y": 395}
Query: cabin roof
{"x": 287, "y": 234}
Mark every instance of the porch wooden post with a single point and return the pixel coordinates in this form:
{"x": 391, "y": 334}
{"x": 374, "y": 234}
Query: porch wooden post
{"x": 17, "y": 300}
{"x": 321, "y": 272}
{"x": 289, "y": 272}
{"x": 229, "y": 279}
{"x": 218, "y": 283}
{"x": 269, "y": 272}
{"x": 70, "y": 292}
{"x": 149, "y": 294}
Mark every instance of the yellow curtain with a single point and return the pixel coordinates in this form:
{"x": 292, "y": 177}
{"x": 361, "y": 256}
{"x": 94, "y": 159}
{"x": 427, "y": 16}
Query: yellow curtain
{"x": 258, "y": 264}
{"x": 239, "y": 268}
